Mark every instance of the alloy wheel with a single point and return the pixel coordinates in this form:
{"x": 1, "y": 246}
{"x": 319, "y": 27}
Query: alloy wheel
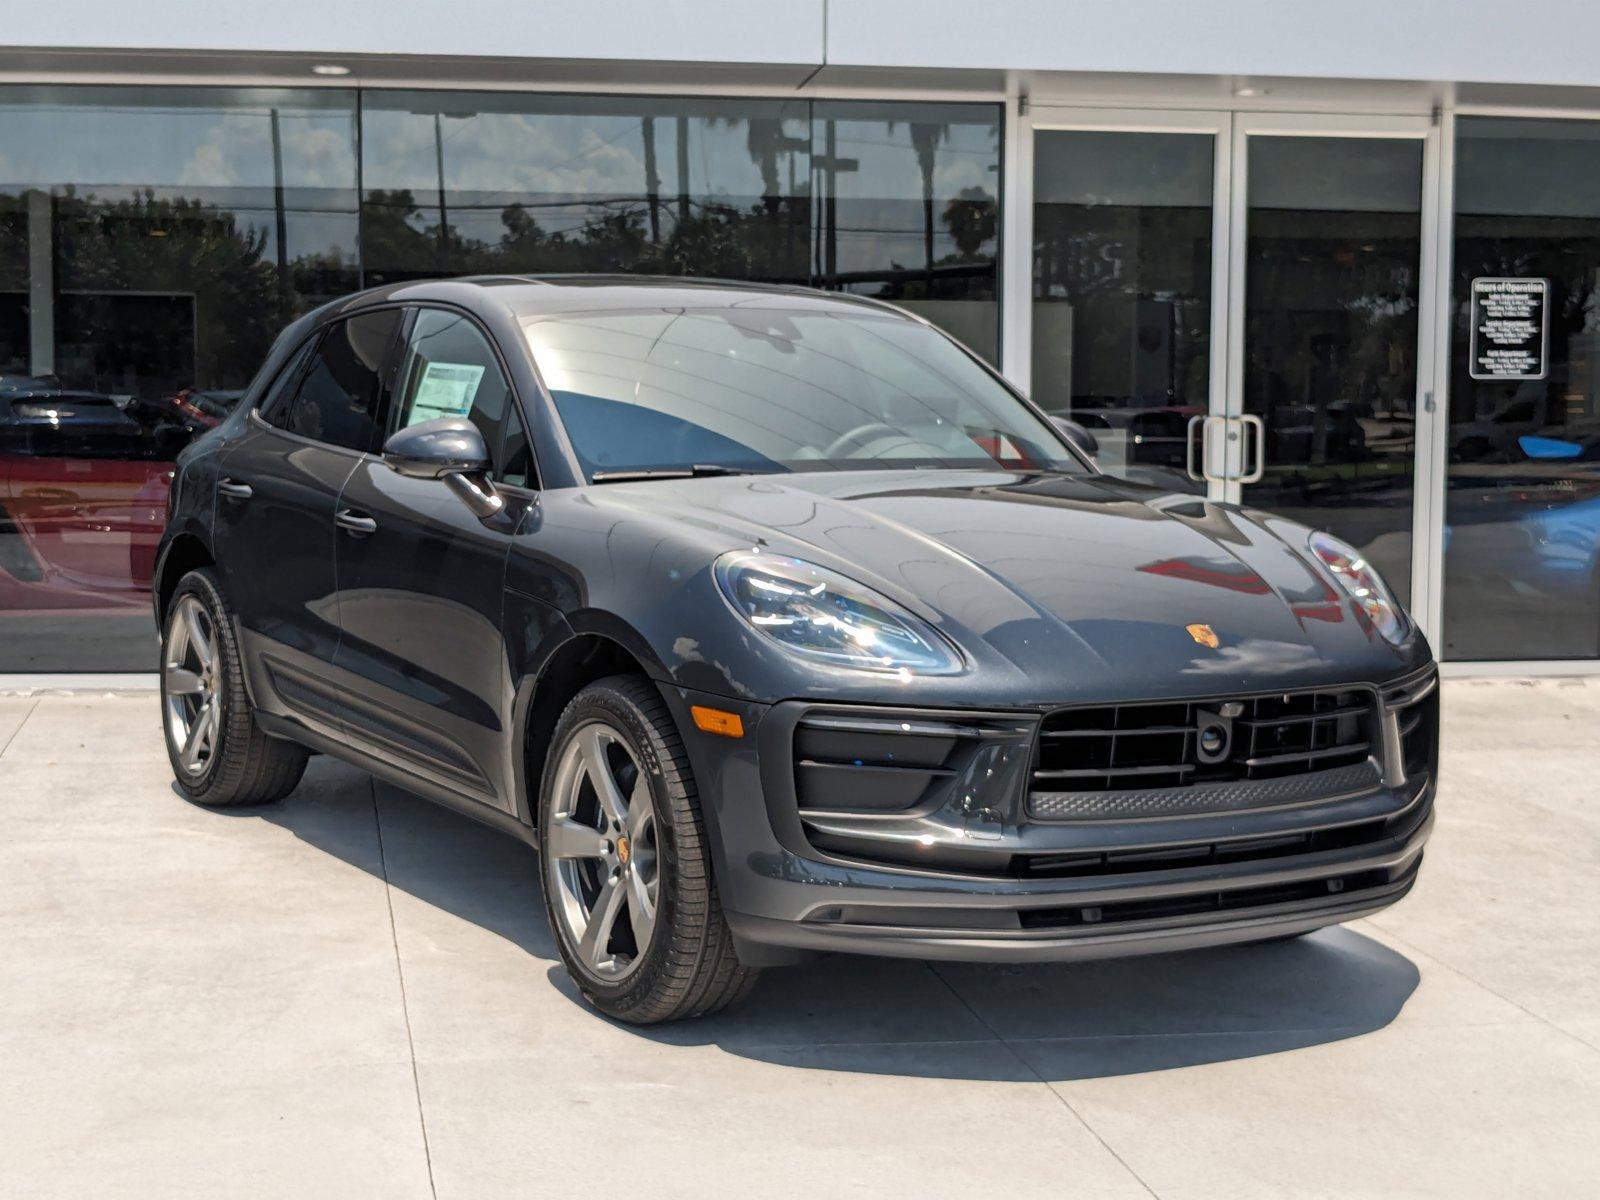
{"x": 190, "y": 686}
{"x": 601, "y": 848}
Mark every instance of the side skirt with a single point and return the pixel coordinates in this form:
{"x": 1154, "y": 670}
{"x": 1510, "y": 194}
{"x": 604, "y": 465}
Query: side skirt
{"x": 293, "y": 731}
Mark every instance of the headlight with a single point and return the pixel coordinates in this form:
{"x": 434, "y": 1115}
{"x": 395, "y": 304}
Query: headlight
{"x": 1363, "y": 585}
{"x": 823, "y": 616}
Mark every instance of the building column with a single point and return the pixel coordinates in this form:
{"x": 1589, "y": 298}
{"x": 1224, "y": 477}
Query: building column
{"x": 41, "y": 285}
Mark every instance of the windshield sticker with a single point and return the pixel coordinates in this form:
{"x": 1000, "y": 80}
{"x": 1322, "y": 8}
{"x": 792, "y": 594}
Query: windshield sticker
{"x": 445, "y": 390}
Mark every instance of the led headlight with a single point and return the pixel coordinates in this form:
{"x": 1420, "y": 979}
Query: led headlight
{"x": 823, "y": 616}
{"x": 1362, "y": 584}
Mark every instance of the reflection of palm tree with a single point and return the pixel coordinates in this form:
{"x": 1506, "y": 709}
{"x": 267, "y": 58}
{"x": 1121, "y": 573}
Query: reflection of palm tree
{"x": 652, "y": 178}
{"x": 925, "y": 139}
{"x": 765, "y": 142}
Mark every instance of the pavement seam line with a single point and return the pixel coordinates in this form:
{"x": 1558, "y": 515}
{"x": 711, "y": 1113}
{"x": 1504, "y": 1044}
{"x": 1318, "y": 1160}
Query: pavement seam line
{"x": 1048, "y": 1086}
{"x": 28, "y": 716}
{"x": 400, "y": 973}
{"x": 1472, "y": 979}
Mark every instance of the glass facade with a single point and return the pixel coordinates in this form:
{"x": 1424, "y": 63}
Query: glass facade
{"x": 1522, "y": 509}
{"x": 153, "y": 241}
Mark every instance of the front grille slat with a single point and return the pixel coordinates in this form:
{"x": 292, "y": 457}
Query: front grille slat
{"x": 1271, "y": 760}
{"x": 1111, "y": 772}
{"x": 1093, "y": 749}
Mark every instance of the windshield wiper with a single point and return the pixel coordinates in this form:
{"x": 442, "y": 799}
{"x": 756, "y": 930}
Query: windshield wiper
{"x": 697, "y": 471}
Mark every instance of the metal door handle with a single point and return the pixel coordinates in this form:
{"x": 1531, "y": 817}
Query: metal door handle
{"x": 234, "y": 490}
{"x": 1188, "y": 449}
{"x": 354, "y": 523}
{"x": 1204, "y": 475}
{"x": 1260, "y": 427}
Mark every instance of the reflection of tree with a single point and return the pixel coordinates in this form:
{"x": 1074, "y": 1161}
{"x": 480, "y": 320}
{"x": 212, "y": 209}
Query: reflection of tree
{"x": 179, "y": 247}
{"x": 973, "y": 220}
{"x": 925, "y": 139}
{"x": 715, "y": 239}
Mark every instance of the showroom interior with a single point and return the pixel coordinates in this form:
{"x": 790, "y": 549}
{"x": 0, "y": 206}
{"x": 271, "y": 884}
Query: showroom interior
{"x": 1280, "y": 292}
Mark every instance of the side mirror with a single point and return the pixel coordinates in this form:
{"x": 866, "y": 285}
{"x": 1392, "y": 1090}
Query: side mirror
{"x": 451, "y": 449}
{"x": 434, "y": 449}
{"x": 1077, "y": 435}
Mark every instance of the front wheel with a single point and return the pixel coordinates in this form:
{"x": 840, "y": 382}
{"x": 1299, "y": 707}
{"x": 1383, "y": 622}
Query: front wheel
{"x": 220, "y": 757}
{"x": 626, "y": 866}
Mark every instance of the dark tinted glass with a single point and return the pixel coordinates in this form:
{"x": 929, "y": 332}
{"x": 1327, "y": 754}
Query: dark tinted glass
{"x": 1522, "y": 510}
{"x": 450, "y": 370}
{"x": 274, "y": 406}
{"x": 338, "y": 398}
{"x": 1332, "y": 276}
{"x": 153, "y": 243}
{"x": 516, "y": 453}
{"x": 1122, "y": 287}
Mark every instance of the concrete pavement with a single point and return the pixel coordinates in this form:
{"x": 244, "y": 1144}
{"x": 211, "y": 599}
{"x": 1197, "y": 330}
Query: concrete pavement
{"x": 353, "y": 994}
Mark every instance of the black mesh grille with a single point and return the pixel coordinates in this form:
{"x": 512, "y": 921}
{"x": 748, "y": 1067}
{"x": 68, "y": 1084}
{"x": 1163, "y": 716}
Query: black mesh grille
{"x": 1126, "y": 746}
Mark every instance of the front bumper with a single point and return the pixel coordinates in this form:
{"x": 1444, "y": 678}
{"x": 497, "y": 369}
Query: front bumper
{"x": 1105, "y": 888}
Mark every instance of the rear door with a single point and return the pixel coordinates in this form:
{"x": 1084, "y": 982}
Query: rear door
{"x": 421, "y": 577}
{"x": 276, "y": 496}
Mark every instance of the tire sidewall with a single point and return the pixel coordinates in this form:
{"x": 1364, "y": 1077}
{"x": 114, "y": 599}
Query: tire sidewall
{"x": 607, "y": 706}
{"x": 198, "y": 585}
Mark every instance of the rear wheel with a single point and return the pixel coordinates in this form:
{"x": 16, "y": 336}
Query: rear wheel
{"x": 626, "y": 866}
{"x": 220, "y": 757}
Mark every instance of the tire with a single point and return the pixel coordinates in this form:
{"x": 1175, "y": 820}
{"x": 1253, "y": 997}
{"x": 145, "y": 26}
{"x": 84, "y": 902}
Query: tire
{"x": 660, "y": 860}
{"x": 233, "y": 763}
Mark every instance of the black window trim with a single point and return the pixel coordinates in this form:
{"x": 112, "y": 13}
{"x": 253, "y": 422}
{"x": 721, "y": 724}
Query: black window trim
{"x": 296, "y": 361}
{"x": 385, "y": 385}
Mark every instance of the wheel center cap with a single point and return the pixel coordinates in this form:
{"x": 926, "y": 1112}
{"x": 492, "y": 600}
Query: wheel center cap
{"x": 623, "y": 851}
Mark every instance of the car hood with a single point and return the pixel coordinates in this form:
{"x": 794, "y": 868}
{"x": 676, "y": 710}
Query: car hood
{"x": 1064, "y": 581}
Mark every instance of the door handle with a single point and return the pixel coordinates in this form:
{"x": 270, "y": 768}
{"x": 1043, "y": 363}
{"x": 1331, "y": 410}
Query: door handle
{"x": 234, "y": 490}
{"x": 1204, "y": 475}
{"x": 1260, "y": 427}
{"x": 354, "y": 523}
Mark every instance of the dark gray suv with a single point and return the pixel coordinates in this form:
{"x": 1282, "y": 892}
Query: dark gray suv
{"x": 779, "y": 623}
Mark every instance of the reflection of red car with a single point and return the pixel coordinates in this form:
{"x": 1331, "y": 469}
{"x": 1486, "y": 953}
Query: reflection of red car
{"x": 82, "y": 502}
{"x": 190, "y": 411}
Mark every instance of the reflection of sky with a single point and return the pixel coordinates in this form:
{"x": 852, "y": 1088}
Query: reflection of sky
{"x": 557, "y": 161}
{"x": 52, "y": 144}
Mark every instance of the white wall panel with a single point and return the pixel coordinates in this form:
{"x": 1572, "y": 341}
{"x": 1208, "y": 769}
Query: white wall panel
{"x": 722, "y": 31}
{"x": 1491, "y": 41}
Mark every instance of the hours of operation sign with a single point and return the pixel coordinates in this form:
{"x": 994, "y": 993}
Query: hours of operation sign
{"x": 1510, "y": 328}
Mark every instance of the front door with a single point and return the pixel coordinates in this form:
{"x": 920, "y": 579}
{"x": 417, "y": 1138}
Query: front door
{"x": 1328, "y": 295}
{"x": 421, "y": 579}
{"x": 1240, "y": 306}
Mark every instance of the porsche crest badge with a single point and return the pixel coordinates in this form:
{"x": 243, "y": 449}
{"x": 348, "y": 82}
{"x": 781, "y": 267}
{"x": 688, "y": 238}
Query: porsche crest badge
{"x": 1204, "y": 635}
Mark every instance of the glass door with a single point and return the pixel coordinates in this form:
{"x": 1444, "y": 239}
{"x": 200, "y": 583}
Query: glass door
{"x": 1330, "y": 296}
{"x": 1129, "y": 245}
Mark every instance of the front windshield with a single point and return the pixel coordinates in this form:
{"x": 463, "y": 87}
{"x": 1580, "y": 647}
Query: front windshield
{"x": 772, "y": 388}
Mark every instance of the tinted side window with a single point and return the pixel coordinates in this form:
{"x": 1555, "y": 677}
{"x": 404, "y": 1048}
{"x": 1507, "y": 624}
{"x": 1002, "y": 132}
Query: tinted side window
{"x": 274, "y": 406}
{"x": 450, "y": 370}
{"x": 338, "y": 399}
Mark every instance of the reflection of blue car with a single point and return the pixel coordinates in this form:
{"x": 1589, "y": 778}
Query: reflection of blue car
{"x": 1530, "y": 525}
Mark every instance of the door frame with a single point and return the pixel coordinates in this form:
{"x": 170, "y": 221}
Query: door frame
{"x": 1017, "y": 361}
{"x": 1432, "y": 317}
{"x": 1231, "y": 130}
